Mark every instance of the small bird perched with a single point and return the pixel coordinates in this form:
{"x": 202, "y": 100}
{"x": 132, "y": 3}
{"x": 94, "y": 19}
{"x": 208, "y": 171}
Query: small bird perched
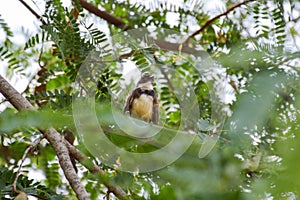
{"x": 142, "y": 103}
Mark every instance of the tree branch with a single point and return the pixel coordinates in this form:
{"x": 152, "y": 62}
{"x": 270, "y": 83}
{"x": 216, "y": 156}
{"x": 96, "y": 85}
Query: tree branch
{"x": 116, "y": 190}
{"x": 120, "y": 24}
{"x": 33, "y": 12}
{"x": 33, "y": 145}
{"x": 180, "y": 47}
{"x": 55, "y": 139}
{"x": 215, "y": 18}
{"x": 57, "y": 142}
{"x": 62, "y": 147}
{"x": 104, "y": 15}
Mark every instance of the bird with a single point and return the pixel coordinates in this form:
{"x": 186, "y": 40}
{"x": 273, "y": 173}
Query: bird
{"x": 142, "y": 102}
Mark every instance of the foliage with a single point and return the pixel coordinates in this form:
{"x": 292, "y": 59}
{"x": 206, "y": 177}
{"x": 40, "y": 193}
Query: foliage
{"x": 249, "y": 96}
{"x": 26, "y": 185}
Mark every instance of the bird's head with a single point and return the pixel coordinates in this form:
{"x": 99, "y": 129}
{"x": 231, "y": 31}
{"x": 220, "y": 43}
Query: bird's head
{"x": 146, "y": 81}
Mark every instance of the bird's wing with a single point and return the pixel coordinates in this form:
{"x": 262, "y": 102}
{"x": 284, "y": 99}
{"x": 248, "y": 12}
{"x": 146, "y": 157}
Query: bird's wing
{"x": 134, "y": 94}
{"x": 155, "y": 110}
{"x": 128, "y": 103}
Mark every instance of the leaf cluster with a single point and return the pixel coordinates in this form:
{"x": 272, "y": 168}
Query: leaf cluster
{"x": 257, "y": 148}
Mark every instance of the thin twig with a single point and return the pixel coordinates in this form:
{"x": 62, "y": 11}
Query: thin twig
{"x": 33, "y": 145}
{"x": 215, "y": 18}
{"x": 33, "y": 12}
{"x": 40, "y": 56}
{"x": 165, "y": 75}
{"x": 107, "y": 194}
{"x": 4, "y": 100}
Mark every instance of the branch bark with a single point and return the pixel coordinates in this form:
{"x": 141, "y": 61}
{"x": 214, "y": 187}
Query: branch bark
{"x": 120, "y": 24}
{"x": 215, "y": 18}
{"x": 184, "y": 47}
{"x": 105, "y": 15}
{"x": 33, "y": 145}
{"x": 55, "y": 139}
{"x": 33, "y": 12}
{"x": 116, "y": 190}
{"x": 62, "y": 147}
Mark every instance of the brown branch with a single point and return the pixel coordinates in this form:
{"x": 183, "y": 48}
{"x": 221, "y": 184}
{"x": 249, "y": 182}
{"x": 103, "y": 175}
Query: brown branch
{"x": 105, "y": 15}
{"x": 33, "y": 12}
{"x": 55, "y": 139}
{"x": 13, "y": 96}
{"x": 107, "y": 195}
{"x": 180, "y": 47}
{"x": 116, "y": 190}
{"x": 169, "y": 46}
{"x": 57, "y": 142}
{"x": 215, "y": 18}
{"x": 33, "y": 145}
{"x": 120, "y": 24}
{"x": 62, "y": 147}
